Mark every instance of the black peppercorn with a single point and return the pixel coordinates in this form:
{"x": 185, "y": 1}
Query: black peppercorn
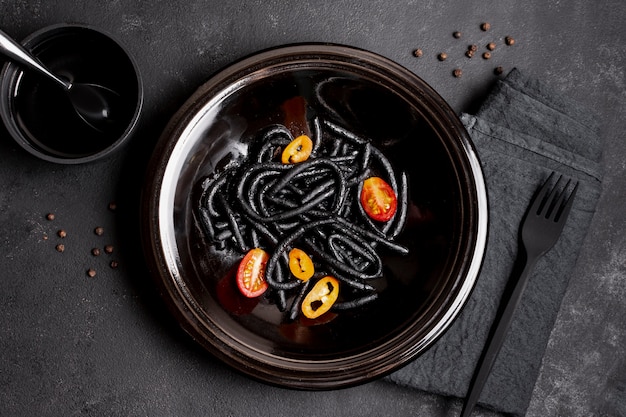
{"x": 485, "y": 26}
{"x": 60, "y": 247}
{"x": 442, "y": 56}
{"x": 50, "y": 216}
{"x": 91, "y": 272}
{"x": 457, "y": 34}
{"x": 418, "y": 53}
{"x": 457, "y": 73}
{"x": 112, "y": 206}
{"x": 108, "y": 249}
{"x": 498, "y": 70}
{"x": 469, "y": 53}
{"x": 99, "y": 231}
{"x": 472, "y": 48}
{"x": 113, "y": 264}
{"x": 486, "y": 55}
{"x": 509, "y": 40}
{"x": 95, "y": 252}
{"x": 62, "y": 233}
{"x": 491, "y": 46}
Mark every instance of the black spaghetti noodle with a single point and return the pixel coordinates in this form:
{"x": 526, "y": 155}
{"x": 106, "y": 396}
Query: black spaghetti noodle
{"x": 313, "y": 205}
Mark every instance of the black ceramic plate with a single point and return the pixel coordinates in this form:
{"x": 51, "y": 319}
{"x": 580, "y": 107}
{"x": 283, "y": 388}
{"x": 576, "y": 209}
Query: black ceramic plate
{"x": 445, "y": 230}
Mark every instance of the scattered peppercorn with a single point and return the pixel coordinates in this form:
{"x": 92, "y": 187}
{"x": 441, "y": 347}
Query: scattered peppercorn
{"x": 91, "y": 272}
{"x": 469, "y": 53}
{"x": 457, "y": 72}
{"x": 485, "y": 27}
{"x": 60, "y": 247}
{"x": 62, "y": 233}
{"x": 498, "y": 70}
{"x": 442, "y": 56}
{"x": 95, "y": 252}
{"x": 472, "y": 48}
{"x": 108, "y": 249}
{"x": 457, "y": 34}
{"x": 113, "y": 264}
{"x": 509, "y": 40}
{"x": 491, "y": 46}
{"x": 50, "y": 216}
{"x": 418, "y": 53}
{"x": 112, "y": 206}
{"x": 486, "y": 55}
{"x": 99, "y": 231}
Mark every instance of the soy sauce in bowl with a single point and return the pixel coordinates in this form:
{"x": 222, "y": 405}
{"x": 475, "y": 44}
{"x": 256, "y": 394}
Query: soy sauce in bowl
{"x": 39, "y": 114}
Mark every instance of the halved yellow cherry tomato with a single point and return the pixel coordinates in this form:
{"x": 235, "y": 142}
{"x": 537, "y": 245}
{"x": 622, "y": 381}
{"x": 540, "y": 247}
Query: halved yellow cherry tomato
{"x": 321, "y": 297}
{"x": 298, "y": 150}
{"x": 300, "y": 264}
{"x": 251, "y": 273}
{"x": 378, "y": 199}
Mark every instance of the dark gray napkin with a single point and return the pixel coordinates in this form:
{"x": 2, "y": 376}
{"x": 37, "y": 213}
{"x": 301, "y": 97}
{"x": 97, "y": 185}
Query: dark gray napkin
{"x": 523, "y": 131}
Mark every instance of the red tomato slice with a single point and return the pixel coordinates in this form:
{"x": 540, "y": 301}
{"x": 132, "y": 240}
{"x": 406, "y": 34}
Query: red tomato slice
{"x": 378, "y": 199}
{"x": 251, "y": 273}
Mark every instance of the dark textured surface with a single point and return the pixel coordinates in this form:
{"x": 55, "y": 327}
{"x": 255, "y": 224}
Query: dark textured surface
{"x": 78, "y": 346}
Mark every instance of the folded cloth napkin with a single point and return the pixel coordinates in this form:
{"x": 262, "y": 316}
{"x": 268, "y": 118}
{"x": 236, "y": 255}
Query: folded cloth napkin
{"x": 522, "y": 132}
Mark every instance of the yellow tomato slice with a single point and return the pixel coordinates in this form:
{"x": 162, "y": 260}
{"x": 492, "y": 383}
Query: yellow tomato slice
{"x": 300, "y": 264}
{"x": 321, "y": 297}
{"x": 298, "y": 150}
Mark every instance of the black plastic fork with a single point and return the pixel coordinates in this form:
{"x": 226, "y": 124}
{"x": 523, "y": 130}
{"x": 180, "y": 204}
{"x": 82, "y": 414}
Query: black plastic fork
{"x": 541, "y": 227}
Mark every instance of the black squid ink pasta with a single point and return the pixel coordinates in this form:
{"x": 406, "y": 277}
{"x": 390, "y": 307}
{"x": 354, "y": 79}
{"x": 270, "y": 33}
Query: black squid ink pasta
{"x": 313, "y": 205}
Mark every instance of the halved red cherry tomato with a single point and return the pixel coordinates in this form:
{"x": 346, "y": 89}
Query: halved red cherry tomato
{"x": 298, "y": 150}
{"x": 251, "y": 273}
{"x": 378, "y": 199}
{"x": 300, "y": 264}
{"x": 321, "y": 297}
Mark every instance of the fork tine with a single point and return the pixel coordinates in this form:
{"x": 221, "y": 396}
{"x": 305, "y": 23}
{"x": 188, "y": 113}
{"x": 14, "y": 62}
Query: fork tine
{"x": 551, "y": 199}
{"x": 566, "y": 206}
{"x": 540, "y": 200}
{"x": 558, "y": 197}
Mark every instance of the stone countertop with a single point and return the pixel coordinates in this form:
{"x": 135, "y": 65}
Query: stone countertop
{"x": 76, "y": 345}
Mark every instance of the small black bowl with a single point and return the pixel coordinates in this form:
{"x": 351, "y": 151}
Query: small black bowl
{"x": 39, "y": 115}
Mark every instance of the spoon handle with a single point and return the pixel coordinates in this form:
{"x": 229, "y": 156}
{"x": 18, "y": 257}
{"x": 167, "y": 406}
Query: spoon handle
{"x": 16, "y": 52}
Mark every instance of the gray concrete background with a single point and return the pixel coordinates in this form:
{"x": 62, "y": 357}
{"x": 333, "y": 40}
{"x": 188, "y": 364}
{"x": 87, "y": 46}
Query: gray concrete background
{"x": 71, "y": 345}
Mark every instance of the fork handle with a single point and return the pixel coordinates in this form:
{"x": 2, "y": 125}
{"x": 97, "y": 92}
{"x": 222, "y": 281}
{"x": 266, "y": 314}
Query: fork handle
{"x": 496, "y": 339}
